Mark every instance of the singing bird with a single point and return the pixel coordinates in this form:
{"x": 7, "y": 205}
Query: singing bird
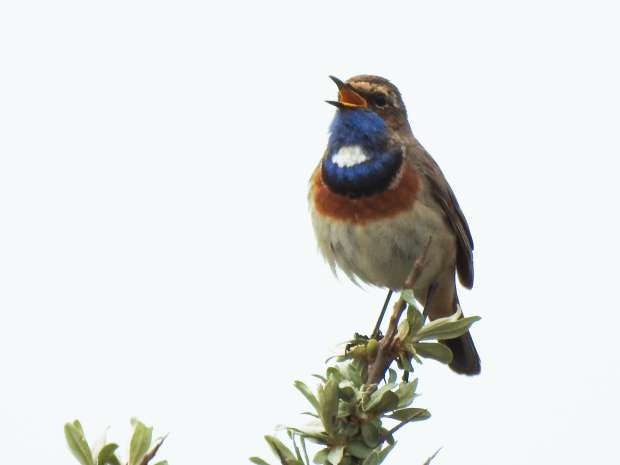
{"x": 377, "y": 196}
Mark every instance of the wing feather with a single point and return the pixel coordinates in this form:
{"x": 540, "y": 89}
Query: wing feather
{"x": 443, "y": 194}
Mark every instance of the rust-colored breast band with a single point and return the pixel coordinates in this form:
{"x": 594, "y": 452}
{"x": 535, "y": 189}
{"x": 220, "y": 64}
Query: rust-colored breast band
{"x": 360, "y": 210}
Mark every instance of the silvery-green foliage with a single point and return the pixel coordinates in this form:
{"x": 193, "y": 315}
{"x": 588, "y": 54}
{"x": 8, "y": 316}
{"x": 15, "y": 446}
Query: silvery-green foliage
{"x": 354, "y": 423}
{"x": 142, "y": 448}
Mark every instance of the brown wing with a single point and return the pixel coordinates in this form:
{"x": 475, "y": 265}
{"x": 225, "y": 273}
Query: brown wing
{"x": 441, "y": 191}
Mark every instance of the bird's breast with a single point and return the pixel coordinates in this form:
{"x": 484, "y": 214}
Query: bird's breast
{"x": 356, "y": 170}
{"x": 396, "y": 197}
{"x": 377, "y": 239}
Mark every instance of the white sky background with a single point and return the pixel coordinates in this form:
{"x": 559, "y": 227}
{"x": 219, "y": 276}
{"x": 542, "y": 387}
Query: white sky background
{"x": 156, "y": 254}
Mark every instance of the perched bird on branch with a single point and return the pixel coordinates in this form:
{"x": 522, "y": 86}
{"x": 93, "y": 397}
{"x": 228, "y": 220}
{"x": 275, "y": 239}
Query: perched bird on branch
{"x": 376, "y": 198}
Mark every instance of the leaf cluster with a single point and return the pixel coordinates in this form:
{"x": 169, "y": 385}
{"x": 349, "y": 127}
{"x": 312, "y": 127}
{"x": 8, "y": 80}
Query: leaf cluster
{"x": 142, "y": 448}
{"x": 348, "y": 419}
{"x": 417, "y": 340}
{"x": 349, "y": 415}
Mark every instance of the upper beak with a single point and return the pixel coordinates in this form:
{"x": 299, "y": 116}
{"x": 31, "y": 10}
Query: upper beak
{"x": 347, "y": 97}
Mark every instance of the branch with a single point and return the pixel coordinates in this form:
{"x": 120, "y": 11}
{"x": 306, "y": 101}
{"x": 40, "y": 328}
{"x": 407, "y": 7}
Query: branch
{"x": 385, "y": 354}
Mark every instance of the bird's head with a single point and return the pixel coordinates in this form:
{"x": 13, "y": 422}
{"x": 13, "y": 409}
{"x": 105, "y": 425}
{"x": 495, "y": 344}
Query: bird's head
{"x": 364, "y": 151}
{"x": 372, "y": 94}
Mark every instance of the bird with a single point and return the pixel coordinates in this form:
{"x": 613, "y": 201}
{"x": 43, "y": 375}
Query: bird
{"x": 377, "y": 196}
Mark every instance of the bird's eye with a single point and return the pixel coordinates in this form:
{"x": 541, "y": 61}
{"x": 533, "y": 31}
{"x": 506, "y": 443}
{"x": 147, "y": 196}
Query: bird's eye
{"x": 380, "y": 100}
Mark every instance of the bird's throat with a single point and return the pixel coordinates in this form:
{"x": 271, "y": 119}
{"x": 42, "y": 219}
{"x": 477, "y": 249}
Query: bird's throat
{"x": 359, "y": 160}
{"x": 353, "y": 172}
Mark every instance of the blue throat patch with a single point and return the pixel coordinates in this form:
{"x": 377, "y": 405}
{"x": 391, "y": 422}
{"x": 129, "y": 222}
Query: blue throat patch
{"x": 366, "y": 129}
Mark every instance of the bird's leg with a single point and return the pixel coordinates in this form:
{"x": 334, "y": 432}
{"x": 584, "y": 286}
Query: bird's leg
{"x": 429, "y": 301}
{"x": 375, "y": 332}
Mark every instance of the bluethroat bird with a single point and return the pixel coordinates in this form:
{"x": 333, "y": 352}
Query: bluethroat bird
{"x": 376, "y": 198}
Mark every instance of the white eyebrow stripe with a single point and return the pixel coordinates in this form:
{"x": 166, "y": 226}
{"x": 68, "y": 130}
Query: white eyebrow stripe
{"x": 349, "y": 155}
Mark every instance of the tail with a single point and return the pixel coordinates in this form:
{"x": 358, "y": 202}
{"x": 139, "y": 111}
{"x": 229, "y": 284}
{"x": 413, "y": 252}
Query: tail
{"x": 445, "y": 302}
{"x": 466, "y": 360}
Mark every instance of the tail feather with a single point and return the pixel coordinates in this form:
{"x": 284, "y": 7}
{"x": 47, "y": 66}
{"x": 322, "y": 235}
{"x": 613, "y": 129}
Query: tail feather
{"x": 466, "y": 360}
{"x": 442, "y": 301}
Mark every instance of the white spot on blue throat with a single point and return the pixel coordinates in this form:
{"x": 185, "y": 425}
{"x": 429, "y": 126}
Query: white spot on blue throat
{"x": 349, "y": 155}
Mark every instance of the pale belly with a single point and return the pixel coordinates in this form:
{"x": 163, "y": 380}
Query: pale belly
{"x": 382, "y": 252}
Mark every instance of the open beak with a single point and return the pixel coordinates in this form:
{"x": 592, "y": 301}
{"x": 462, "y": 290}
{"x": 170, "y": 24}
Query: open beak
{"x": 347, "y": 97}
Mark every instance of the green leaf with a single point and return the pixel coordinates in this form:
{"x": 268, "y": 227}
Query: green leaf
{"x": 328, "y": 400}
{"x": 140, "y": 441}
{"x": 335, "y": 373}
{"x": 281, "y": 451}
{"x": 303, "y": 447}
{"x": 370, "y": 434}
{"x": 392, "y": 376}
{"x": 345, "y": 409}
{"x": 351, "y": 429}
{"x": 405, "y": 362}
{"x": 389, "y": 438}
{"x": 318, "y": 436}
{"x": 403, "y": 330}
{"x": 388, "y": 401}
{"x": 165, "y": 462}
{"x": 384, "y": 452}
{"x": 410, "y": 414}
{"x": 77, "y": 443}
{"x": 291, "y": 435}
{"x": 107, "y": 456}
{"x": 435, "y": 350}
{"x": 381, "y": 400}
{"x": 256, "y": 460}
{"x": 406, "y": 393}
{"x": 359, "y": 450}
{"x": 347, "y": 390}
{"x": 354, "y": 372}
{"x": 335, "y": 454}
{"x": 321, "y": 456}
{"x": 307, "y": 393}
{"x": 414, "y": 317}
{"x": 377, "y": 456}
{"x": 407, "y": 296}
{"x": 448, "y": 327}
{"x": 372, "y": 459}
{"x": 377, "y": 394}
{"x": 78, "y": 426}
